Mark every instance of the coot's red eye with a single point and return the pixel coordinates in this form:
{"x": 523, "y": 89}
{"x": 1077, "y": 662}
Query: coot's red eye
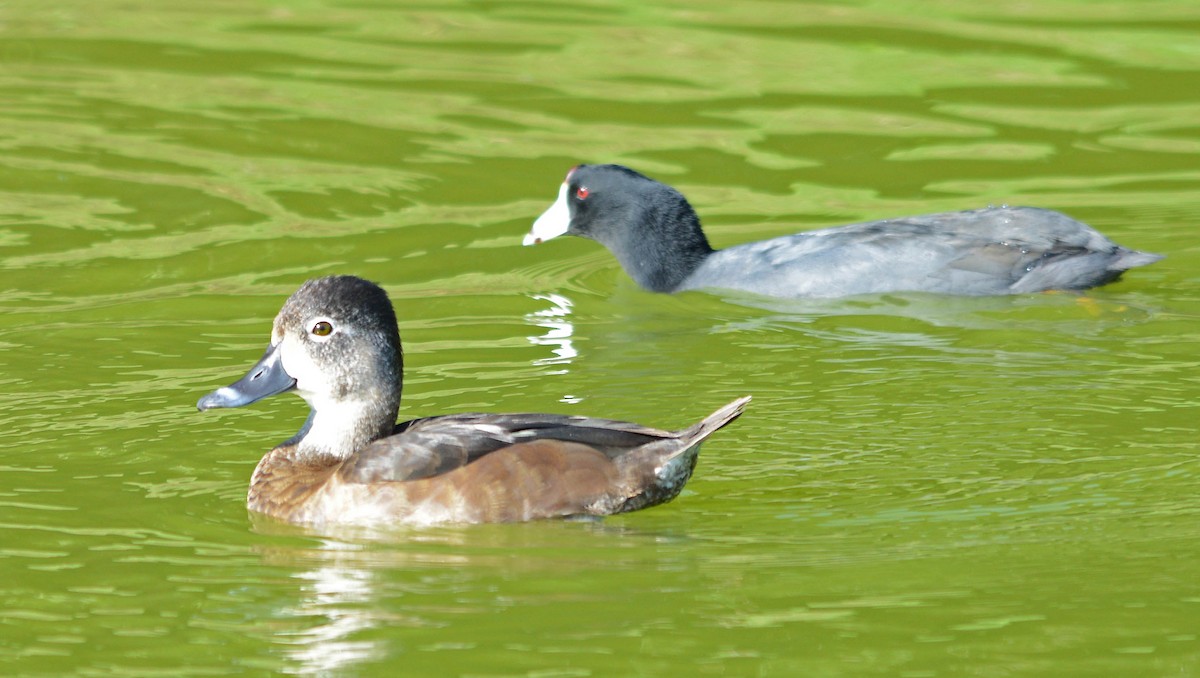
{"x": 582, "y": 193}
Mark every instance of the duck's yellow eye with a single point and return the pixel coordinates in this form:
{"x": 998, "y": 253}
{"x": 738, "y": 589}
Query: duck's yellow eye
{"x": 322, "y": 328}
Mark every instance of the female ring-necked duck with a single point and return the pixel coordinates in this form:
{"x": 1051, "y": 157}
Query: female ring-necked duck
{"x": 336, "y": 343}
{"x": 655, "y": 234}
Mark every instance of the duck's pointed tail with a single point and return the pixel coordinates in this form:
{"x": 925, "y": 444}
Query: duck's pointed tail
{"x": 657, "y": 472}
{"x": 713, "y": 422}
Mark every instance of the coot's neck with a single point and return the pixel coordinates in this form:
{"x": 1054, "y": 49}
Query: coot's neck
{"x": 666, "y": 248}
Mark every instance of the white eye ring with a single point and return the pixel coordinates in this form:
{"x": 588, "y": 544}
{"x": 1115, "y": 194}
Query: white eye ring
{"x": 321, "y": 329}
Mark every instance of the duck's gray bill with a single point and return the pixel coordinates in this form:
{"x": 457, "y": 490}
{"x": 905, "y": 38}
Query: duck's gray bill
{"x": 266, "y": 378}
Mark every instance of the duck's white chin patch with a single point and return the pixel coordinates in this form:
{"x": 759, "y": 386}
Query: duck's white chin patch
{"x": 553, "y": 222}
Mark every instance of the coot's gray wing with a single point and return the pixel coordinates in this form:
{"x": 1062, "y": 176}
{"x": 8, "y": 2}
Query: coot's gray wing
{"x": 989, "y": 251}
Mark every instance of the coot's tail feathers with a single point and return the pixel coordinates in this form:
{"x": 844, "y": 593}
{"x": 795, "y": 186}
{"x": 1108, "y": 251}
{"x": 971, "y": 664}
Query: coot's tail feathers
{"x": 1127, "y": 259}
{"x": 1081, "y": 269}
{"x": 1120, "y": 261}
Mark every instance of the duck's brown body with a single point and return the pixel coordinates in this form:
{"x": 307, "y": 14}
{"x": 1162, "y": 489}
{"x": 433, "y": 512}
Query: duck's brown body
{"x": 335, "y": 342}
{"x": 478, "y": 468}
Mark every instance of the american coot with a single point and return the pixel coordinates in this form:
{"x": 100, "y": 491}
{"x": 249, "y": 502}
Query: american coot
{"x": 336, "y": 343}
{"x": 656, "y": 236}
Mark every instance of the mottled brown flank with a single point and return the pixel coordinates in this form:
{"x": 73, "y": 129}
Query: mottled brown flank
{"x": 541, "y": 479}
{"x": 283, "y": 487}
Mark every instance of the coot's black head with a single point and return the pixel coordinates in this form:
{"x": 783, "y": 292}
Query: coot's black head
{"x": 647, "y": 225}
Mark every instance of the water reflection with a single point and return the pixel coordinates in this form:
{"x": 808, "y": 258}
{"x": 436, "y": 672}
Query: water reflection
{"x": 336, "y": 595}
{"x": 336, "y": 603}
{"x": 359, "y": 595}
{"x": 559, "y": 330}
{"x": 929, "y": 321}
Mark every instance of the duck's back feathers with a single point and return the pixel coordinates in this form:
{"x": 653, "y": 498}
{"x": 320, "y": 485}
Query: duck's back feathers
{"x": 431, "y": 446}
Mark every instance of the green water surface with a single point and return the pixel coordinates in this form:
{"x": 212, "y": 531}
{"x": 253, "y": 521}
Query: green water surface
{"x": 923, "y": 486}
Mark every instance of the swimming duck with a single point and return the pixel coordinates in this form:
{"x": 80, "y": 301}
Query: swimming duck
{"x": 337, "y": 345}
{"x": 655, "y": 235}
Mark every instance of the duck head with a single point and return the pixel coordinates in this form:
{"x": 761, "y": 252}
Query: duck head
{"x": 336, "y": 344}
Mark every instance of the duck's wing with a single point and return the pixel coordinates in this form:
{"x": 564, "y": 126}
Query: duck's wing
{"x": 431, "y": 446}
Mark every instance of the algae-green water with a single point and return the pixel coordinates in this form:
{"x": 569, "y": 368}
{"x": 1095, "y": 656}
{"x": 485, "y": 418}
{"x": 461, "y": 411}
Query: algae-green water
{"x": 922, "y": 486}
